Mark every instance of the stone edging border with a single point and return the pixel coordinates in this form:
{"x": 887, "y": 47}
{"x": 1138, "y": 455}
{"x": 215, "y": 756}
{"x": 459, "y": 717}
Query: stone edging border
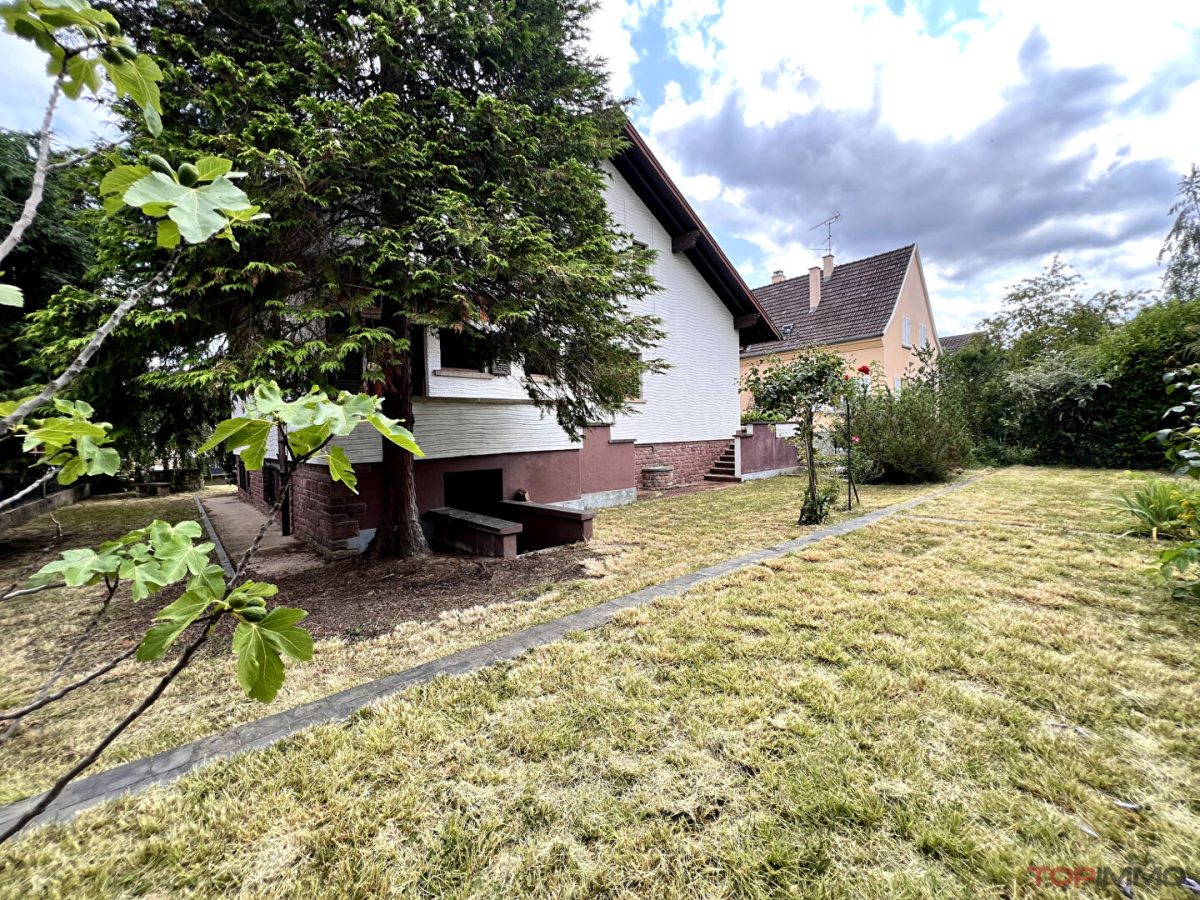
{"x": 170, "y": 765}
{"x": 222, "y": 556}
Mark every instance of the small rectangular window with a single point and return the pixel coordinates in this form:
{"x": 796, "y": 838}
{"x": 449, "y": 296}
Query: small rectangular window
{"x": 537, "y": 364}
{"x": 906, "y": 335}
{"x": 462, "y": 350}
{"x": 897, "y": 383}
{"x": 922, "y": 336}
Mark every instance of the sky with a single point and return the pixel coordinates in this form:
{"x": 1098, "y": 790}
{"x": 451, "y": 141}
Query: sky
{"x": 993, "y": 133}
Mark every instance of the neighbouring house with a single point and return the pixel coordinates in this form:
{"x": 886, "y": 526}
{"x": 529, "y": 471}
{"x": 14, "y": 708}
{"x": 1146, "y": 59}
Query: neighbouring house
{"x": 955, "y": 342}
{"x": 873, "y": 311}
{"x": 487, "y": 445}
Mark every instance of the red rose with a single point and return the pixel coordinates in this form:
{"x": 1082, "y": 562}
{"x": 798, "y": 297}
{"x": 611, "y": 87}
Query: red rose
{"x": 855, "y": 439}
{"x": 866, "y": 370}
{"x": 847, "y": 377}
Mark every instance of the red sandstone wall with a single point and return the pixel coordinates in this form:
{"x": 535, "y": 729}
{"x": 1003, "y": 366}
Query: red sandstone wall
{"x": 690, "y": 461}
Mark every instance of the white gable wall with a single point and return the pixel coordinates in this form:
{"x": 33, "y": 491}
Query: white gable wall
{"x": 697, "y": 398}
{"x": 694, "y": 400}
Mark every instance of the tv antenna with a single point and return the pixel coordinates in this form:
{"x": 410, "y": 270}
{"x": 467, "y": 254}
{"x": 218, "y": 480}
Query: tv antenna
{"x": 828, "y": 226}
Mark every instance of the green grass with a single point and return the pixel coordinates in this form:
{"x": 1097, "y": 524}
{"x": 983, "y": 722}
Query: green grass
{"x": 636, "y": 546}
{"x": 919, "y": 709}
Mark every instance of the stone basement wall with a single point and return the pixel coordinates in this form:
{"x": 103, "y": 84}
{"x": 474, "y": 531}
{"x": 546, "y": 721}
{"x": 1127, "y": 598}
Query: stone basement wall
{"x": 689, "y": 462}
{"x": 255, "y": 495}
{"x": 326, "y": 514}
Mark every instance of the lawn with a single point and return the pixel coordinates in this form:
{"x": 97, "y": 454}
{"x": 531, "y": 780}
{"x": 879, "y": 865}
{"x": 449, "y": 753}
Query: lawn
{"x": 635, "y": 546}
{"x": 920, "y": 708}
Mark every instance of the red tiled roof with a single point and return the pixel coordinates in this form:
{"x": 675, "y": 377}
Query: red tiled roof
{"x": 856, "y": 303}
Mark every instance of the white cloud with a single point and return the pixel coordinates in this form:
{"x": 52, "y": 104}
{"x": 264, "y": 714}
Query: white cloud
{"x": 25, "y": 90}
{"x": 611, "y": 37}
{"x": 775, "y": 60}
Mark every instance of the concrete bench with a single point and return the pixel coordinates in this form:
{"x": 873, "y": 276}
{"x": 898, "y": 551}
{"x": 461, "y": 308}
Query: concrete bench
{"x": 154, "y": 488}
{"x": 547, "y": 526}
{"x": 475, "y": 533}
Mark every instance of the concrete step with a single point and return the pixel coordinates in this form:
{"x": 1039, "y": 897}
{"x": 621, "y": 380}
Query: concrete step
{"x": 711, "y": 477}
{"x": 722, "y": 469}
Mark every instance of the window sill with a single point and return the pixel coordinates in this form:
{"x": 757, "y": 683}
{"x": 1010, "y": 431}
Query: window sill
{"x": 540, "y": 379}
{"x": 463, "y": 373}
{"x": 636, "y": 402}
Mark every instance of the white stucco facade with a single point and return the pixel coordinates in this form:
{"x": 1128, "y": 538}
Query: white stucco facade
{"x": 697, "y": 398}
{"x": 473, "y": 413}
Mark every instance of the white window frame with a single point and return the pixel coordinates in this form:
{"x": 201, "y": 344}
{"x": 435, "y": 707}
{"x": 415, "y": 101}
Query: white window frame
{"x": 897, "y": 384}
{"x": 922, "y": 336}
{"x": 906, "y": 331}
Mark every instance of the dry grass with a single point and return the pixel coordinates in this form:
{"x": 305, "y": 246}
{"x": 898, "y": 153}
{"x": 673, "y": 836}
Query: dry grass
{"x": 636, "y": 546}
{"x": 915, "y": 710}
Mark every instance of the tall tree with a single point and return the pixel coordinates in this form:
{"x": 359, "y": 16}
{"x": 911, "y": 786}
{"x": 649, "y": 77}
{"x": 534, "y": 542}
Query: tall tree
{"x": 1048, "y": 312}
{"x": 437, "y": 164}
{"x": 1181, "y": 250}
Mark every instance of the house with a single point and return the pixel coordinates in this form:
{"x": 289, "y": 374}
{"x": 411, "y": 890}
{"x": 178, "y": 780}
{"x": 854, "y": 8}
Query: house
{"x": 486, "y": 444}
{"x": 955, "y": 342}
{"x": 873, "y": 311}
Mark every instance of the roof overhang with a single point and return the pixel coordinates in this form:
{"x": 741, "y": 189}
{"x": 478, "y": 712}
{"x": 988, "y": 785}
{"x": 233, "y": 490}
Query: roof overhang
{"x": 689, "y": 236}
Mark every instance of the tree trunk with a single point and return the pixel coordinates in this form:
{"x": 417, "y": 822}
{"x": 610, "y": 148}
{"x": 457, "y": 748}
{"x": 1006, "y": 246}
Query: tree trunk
{"x": 399, "y": 532}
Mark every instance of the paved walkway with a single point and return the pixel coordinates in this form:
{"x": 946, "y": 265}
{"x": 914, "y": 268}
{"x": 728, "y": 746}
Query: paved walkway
{"x": 236, "y": 525}
{"x": 170, "y": 765}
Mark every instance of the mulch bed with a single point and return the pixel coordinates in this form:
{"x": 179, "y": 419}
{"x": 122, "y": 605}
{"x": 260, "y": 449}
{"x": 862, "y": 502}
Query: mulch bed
{"x": 360, "y": 598}
{"x": 351, "y": 599}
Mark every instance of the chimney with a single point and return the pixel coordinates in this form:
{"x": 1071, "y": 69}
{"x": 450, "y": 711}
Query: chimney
{"x": 777, "y": 276}
{"x": 827, "y": 259}
{"x": 814, "y": 287}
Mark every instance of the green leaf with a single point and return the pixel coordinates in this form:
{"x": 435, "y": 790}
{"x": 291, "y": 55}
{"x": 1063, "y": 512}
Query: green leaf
{"x": 10, "y": 295}
{"x": 211, "y": 167}
{"x": 304, "y": 441}
{"x": 259, "y": 666}
{"x": 145, "y": 576}
{"x": 395, "y": 432}
{"x": 199, "y": 212}
{"x": 210, "y": 582}
{"x": 121, "y": 179}
{"x": 77, "y": 568}
{"x": 248, "y": 435}
{"x": 340, "y": 468}
{"x": 138, "y": 79}
{"x": 179, "y": 556}
{"x": 72, "y": 470}
{"x": 281, "y": 629}
{"x": 170, "y": 623}
{"x": 168, "y": 234}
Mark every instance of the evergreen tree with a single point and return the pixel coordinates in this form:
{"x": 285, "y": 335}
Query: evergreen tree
{"x": 433, "y": 164}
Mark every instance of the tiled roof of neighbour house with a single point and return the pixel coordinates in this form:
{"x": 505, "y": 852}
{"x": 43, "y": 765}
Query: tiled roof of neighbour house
{"x": 857, "y": 302}
{"x": 956, "y": 342}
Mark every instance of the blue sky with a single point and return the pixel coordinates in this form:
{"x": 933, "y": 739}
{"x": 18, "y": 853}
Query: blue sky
{"x": 994, "y": 133}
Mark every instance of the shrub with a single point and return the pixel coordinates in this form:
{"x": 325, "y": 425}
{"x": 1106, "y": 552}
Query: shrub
{"x": 917, "y": 434}
{"x": 1161, "y": 508}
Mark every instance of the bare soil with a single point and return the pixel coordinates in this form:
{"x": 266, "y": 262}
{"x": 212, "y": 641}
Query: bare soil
{"x": 361, "y": 598}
